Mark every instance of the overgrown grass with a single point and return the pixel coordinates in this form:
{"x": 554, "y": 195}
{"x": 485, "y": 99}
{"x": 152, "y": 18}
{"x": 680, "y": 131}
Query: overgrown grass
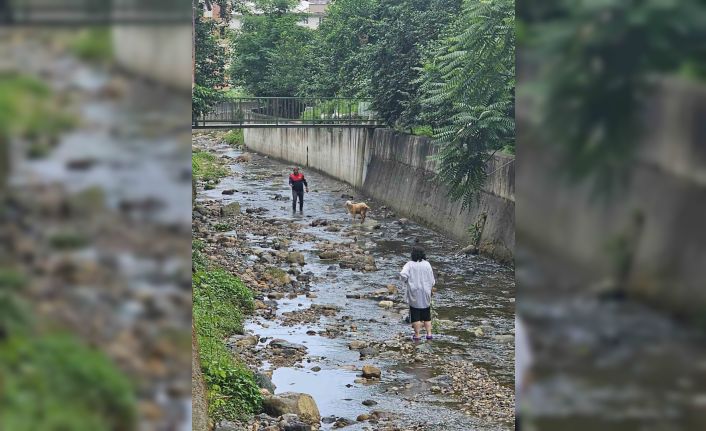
{"x": 234, "y": 138}
{"x": 93, "y": 44}
{"x": 28, "y": 109}
{"x": 54, "y": 382}
{"x": 222, "y": 227}
{"x": 68, "y": 240}
{"x": 220, "y": 302}
{"x": 206, "y": 166}
{"x": 279, "y": 275}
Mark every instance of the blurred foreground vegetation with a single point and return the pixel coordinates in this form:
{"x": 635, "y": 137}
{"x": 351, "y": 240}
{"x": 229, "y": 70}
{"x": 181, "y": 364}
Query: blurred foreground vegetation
{"x": 51, "y": 380}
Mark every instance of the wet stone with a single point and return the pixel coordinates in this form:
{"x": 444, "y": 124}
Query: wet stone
{"x": 357, "y": 345}
{"x": 370, "y": 371}
{"x": 286, "y": 345}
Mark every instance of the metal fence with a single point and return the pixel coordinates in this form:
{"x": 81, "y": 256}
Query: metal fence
{"x": 288, "y": 112}
{"x": 86, "y": 12}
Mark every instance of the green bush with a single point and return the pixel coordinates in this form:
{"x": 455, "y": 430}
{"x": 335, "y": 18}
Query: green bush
{"x": 220, "y": 300}
{"x": 11, "y": 279}
{"x": 56, "y": 383}
{"x": 232, "y": 390}
{"x": 423, "y": 131}
{"x": 198, "y": 260}
{"x": 15, "y": 314}
{"x": 93, "y": 44}
{"x": 206, "y": 166}
{"x": 235, "y": 138}
{"x": 329, "y": 108}
{"x": 27, "y": 109}
{"x": 224, "y": 286}
{"x": 222, "y": 227}
{"x": 68, "y": 240}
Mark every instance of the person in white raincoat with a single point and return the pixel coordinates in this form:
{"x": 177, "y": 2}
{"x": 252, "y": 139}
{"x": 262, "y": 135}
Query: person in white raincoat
{"x": 418, "y": 278}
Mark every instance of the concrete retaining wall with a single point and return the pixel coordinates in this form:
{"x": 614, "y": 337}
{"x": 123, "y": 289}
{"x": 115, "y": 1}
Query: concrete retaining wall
{"x": 658, "y": 218}
{"x": 396, "y": 169}
{"x": 157, "y": 52}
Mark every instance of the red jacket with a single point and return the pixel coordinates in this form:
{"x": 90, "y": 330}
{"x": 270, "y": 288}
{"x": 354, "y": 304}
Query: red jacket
{"x": 297, "y": 181}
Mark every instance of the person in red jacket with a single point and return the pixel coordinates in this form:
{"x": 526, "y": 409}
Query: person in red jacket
{"x": 298, "y": 184}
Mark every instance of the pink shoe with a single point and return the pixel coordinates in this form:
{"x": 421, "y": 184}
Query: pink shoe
{"x": 429, "y": 337}
{"x": 415, "y": 338}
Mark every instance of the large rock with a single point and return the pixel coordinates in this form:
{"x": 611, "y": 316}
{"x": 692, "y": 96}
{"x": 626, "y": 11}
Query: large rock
{"x": 371, "y": 372}
{"x": 328, "y": 255}
{"x": 357, "y": 345}
{"x": 243, "y": 341}
{"x": 264, "y": 382}
{"x": 286, "y": 345}
{"x": 295, "y": 257}
{"x": 302, "y": 405}
{"x": 385, "y": 304}
{"x": 230, "y": 209}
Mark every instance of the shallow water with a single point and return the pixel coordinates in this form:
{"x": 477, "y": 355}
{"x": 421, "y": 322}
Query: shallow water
{"x": 608, "y": 364}
{"x": 472, "y": 291}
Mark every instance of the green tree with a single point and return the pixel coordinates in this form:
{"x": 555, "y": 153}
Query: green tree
{"x": 468, "y": 83}
{"x": 270, "y": 51}
{"x": 341, "y": 50}
{"x": 210, "y": 59}
{"x": 595, "y": 64}
{"x": 403, "y": 29}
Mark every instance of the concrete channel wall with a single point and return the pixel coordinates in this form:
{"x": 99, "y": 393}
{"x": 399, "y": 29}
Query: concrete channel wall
{"x": 156, "y": 52}
{"x": 396, "y": 169}
{"x": 658, "y": 218}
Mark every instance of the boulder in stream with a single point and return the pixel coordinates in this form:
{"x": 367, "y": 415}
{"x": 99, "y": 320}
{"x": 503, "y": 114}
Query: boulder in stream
{"x": 302, "y": 405}
{"x": 371, "y": 372}
{"x": 295, "y": 257}
{"x": 232, "y": 208}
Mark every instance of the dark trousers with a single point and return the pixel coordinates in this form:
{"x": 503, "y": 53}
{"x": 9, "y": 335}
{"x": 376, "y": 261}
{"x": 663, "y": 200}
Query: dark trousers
{"x": 297, "y": 194}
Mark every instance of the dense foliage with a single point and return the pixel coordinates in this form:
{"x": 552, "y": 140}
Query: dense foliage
{"x": 55, "y": 382}
{"x": 341, "y": 48}
{"x": 220, "y": 302}
{"x": 52, "y": 381}
{"x": 403, "y": 31}
{"x": 442, "y": 68}
{"x": 210, "y": 59}
{"x": 594, "y": 66}
{"x": 468, "y": 84}
{"x": 270, "y": 51}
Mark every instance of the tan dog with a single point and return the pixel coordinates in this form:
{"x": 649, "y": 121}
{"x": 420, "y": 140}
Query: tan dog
{"x": 359, "y": 208}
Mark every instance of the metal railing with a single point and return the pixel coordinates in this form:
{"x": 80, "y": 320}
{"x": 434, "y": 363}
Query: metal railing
{"x": 87, "y": 12}
{"x": 289, "y": 112}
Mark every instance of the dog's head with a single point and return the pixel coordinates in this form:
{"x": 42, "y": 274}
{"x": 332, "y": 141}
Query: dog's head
{"x": 349, "y": 204}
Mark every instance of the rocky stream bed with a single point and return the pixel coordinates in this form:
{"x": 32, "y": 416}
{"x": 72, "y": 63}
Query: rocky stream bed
{"x": 330, "y": 320}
